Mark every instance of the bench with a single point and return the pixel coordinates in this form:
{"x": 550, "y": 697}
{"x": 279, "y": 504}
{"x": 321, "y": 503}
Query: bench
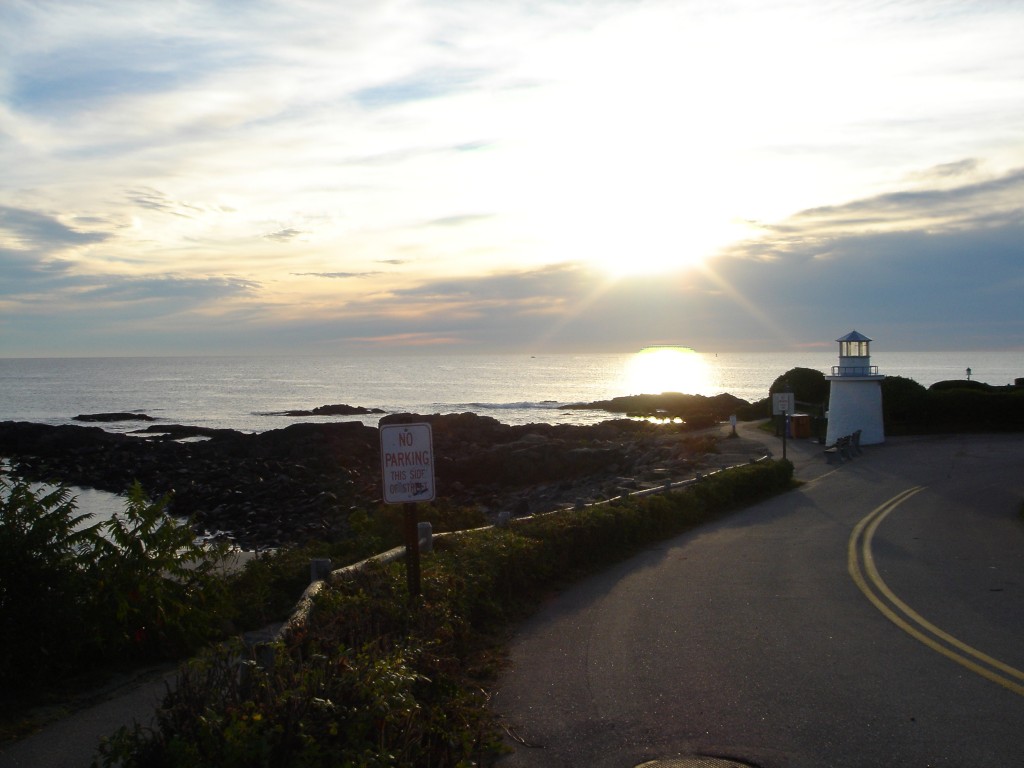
{"x": 843, "y": 448}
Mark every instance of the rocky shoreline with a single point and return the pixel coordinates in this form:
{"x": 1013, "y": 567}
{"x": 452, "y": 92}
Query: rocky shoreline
{"x": 300, "y": 482}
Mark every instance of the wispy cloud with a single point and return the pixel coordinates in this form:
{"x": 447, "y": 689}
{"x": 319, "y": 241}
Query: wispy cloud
{"x": 336, "y": 275}
{"x": 284, "y": 235}
{"x": 422, "y": 85}
{"x": 41, "y": 233}
{"x": 163, "y": 289}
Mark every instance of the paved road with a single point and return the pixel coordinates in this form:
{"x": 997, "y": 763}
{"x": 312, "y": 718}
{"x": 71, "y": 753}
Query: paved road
{"x": 874, "y": 617}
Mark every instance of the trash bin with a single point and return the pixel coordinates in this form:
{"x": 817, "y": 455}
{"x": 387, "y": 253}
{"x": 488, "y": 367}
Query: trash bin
{"x": 800, "y": 425}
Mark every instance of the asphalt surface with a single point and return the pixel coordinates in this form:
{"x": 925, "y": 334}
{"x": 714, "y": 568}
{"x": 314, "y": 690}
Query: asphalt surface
{"x": 873, "y": 617}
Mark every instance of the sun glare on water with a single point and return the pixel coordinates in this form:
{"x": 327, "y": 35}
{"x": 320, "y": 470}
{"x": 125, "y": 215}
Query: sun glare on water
{"x": 654, "y": 370}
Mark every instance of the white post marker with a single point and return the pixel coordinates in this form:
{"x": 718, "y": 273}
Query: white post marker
{"x": 407, "y": 463}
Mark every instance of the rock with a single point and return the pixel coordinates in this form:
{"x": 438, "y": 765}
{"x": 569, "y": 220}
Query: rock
{"x": 669, "y": 405}
{"x": 111, "y": 417}
{"x": 344, "y": 410}
{"x": 329, "y": 410}
{"x": 180, "y": 432}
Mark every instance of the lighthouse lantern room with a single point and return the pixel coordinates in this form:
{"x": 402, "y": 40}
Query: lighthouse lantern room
{"x": 855, "y": 393}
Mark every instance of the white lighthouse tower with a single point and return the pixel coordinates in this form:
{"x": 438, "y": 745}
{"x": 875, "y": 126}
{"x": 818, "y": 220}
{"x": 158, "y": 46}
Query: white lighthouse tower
{"x": 855, "y": 393}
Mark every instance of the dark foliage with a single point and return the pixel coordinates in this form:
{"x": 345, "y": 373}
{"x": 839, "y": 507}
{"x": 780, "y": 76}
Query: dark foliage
{"x": 950, "y": 406}
{"x": 808, "y": 386}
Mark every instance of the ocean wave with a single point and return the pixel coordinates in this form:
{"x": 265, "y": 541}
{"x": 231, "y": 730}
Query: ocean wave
{"x": 526, "y": 405}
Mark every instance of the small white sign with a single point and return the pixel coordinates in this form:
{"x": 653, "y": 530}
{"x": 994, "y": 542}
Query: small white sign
{"x": 407, "y": 462}
{"x": 783, "y": 402}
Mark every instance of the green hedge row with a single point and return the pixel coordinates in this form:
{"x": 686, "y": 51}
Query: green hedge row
{"x": 375, "y": 679}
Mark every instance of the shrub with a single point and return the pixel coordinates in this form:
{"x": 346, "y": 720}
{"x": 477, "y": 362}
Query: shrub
{"x": 45, "y": 568}
{"x": 74, "y": 596}
{"x": 807, "y": 385}
{"x": 904, "y": 403}
{"x": 370, "y": 681}
{"x": 950, "y": 406}
{"x": 157, "y": 590}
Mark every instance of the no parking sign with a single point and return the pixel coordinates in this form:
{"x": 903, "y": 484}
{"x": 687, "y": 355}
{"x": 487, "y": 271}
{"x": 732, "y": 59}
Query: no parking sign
{"x": 407, "y": 463}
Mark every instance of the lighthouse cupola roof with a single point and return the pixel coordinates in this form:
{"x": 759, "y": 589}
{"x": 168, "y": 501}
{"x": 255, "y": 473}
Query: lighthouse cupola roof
{"x": 853, "y": 336}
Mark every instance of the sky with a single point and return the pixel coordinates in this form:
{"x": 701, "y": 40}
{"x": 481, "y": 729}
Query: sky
{"x": 453, "y": 176}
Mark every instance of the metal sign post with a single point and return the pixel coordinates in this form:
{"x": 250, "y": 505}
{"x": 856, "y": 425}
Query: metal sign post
{"x": 407, "y": 470}
{"x": 783, "y": 404}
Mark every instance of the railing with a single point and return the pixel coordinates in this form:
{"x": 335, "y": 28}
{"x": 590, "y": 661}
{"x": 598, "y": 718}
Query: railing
{"x": 854, "y": 370}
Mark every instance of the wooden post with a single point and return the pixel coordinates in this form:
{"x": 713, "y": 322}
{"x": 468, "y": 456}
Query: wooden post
{"x": 412, "y": 550}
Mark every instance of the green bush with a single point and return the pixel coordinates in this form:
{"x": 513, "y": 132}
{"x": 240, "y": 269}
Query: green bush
{"x": 46, "y": 552}
{"x": 75, "y": 596}
{"x": 807, "y": 385}
{"x": 950, "y": 406}
{"x": 581, "y": 540}
{"x": 370, "y": 681}
{"x": 157, "y": 591}
{"x": 904, "y": 404}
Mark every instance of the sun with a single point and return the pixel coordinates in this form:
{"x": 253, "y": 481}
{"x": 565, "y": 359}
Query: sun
{"x": 654, "y": 370}
{"x": 657, "y": 250}
{"x": 657, "y": 229}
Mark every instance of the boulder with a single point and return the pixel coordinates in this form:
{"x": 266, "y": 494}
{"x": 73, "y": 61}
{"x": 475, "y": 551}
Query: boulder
{"x": 112, "y": 417}
{"x": 330, "y": 410}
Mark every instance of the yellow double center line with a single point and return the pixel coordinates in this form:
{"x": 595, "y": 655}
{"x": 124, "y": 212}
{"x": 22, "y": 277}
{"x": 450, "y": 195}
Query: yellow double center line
{"x": 861, "y": 564}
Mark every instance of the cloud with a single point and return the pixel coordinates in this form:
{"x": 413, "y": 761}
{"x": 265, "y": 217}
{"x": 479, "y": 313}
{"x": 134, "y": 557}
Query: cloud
{"x": 154, "y": 200}
{"x": 40, "y": 233}
{"x": 458, "y": 220}
{"x": 164, "y": 289}
{"x": 284, "y": 235}
{"x": 336, "y": 275}
{"x": 422, "y": 85}
{"x": 933, "y": 267}
{"x": 954, "y": 170}
{"x": 990, "y": 202}
{"x": 946, "y": 208}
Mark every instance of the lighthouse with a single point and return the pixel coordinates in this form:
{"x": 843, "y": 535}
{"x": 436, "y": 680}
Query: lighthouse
{"x": 855, "y": 393}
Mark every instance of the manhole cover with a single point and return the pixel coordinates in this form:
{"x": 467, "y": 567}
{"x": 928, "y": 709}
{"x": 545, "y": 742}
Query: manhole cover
{"x": 694, "y": 761}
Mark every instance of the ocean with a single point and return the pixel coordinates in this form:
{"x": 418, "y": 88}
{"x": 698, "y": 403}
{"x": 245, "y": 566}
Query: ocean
{"x": 249, "y": 393}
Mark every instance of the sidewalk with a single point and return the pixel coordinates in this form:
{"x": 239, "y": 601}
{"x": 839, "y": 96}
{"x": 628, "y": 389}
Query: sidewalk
{"x": 71, "y": 742}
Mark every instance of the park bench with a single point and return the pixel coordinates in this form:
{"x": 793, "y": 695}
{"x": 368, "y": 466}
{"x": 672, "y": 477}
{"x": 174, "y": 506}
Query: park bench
{"x": 842, "y": 448}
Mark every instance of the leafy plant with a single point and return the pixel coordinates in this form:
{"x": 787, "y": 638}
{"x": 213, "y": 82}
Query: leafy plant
{"x": 74, "y": 595}
{"x": 159, "y": 590}
{"x": 46, "y": 552}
